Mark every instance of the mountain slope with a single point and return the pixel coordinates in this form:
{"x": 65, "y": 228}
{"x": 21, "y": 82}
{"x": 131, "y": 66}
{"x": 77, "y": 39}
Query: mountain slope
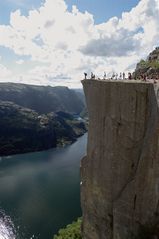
{"x": 24, "y": 130}
{"x": 43, "y": 99}
{"x": 150, "y": 66}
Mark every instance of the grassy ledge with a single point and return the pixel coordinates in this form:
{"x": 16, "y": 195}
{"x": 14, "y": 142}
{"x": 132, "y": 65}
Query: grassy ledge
{"x": 72, "y": 231}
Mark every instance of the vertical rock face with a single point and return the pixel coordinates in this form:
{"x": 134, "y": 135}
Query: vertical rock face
{"x": 120, "y": 174}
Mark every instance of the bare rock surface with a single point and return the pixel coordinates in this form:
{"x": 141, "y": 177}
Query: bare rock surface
{"x": 120, "y": 174}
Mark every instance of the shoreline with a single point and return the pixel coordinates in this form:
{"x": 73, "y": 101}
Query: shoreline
{"x": 43, "y": 150}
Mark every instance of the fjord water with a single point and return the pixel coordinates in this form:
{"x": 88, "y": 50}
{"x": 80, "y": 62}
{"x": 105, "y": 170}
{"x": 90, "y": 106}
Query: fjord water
{"x": 40, "y": 192}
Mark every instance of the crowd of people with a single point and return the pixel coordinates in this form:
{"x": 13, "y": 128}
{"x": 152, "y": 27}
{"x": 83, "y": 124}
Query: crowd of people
{"x": 115, "y": 76}
{"x": 123, "y": 76}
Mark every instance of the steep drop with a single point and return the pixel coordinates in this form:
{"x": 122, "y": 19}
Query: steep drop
{"x": 120, "y": 174}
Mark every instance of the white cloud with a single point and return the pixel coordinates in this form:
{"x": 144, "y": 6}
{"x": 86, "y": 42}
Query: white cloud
{"x": 135, "y": 32}
{"x": 70, "y": 42}
{"x": 4, "y": 72}
{"x": 20, "y": 62}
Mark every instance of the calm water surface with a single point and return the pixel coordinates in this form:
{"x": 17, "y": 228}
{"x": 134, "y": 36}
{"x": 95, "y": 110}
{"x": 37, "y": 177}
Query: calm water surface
{"x": 40, "y": 192}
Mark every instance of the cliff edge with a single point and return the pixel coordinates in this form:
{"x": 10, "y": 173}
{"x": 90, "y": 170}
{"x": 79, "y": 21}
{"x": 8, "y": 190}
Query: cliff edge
{"x": 120, "y": 174}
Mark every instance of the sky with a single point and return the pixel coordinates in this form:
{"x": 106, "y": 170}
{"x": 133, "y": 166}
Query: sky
{"x": 53, "y": 42}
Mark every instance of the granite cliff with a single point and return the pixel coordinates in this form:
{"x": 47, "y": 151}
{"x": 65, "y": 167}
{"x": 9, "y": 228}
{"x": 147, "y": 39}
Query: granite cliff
{"x": 120, "y": 174}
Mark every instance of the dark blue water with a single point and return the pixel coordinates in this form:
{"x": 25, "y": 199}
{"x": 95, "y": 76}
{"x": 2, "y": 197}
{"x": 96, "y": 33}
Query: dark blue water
{"x": 40, "y": 192}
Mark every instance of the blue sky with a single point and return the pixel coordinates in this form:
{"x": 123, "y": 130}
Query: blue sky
{"x": 101, "y": 9}
{"x": 7, "y": 6}
{"x": 49, "y": 42}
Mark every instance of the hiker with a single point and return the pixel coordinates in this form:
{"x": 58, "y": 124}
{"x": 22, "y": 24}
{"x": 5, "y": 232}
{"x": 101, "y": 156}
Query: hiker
{"x": 113, "y": 76}
{"x": 129, "y": 76}
{"x": 123, "y": 75}
{"x": 144, "y": 77}
{"x": 141, "y": 77}
{"x": 155, "y": 81}
{"x": 105, "y": 76}
{"x": 156, "y": 78}
{"x": 92, "y": 75}
{"x": 85, "y": 75}
{"x": 120, "y": 76}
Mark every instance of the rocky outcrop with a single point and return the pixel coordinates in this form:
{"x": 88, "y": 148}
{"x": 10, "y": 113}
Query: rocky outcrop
{"x": 120, "y": 174}
{"x": 149, "y": 67}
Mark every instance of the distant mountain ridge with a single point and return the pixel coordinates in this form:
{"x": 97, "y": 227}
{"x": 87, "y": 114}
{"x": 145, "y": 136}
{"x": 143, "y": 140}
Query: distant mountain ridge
{"x": 43, "y": 99}
{"x": 34, "y": 118}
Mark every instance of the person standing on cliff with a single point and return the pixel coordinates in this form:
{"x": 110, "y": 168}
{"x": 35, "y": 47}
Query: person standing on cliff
{"x": 85, "y": 75}
{"x": 123, "y": 75}
{"x": 144, "y": 77}
{"x": 105, "y": 76}
{"x": 92, "y": 75}
{"x": 129, "y": 76}
{"x": 113, "y": 76}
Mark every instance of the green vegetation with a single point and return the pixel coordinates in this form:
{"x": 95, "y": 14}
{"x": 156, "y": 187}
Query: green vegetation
{"x": 72, "y": 231}
{"x": 149, "y": 67}
{"x": 148, "y": 64}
